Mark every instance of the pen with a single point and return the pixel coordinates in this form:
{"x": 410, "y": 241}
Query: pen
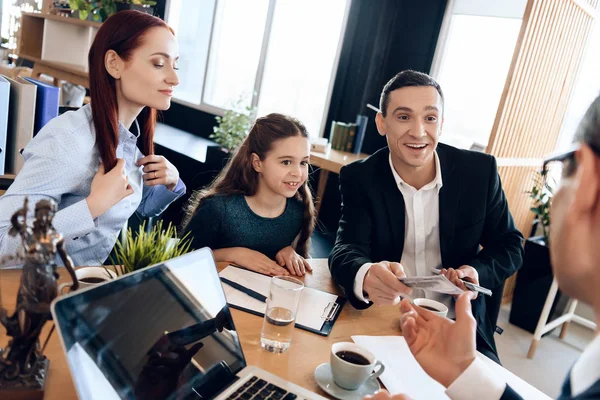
{"x": 244, "y": 289}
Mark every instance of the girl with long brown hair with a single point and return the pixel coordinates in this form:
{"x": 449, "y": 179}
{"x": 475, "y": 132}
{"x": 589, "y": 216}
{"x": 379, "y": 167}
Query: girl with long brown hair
{"x": 259, "y": 211}
{"x": 88, "y": 160}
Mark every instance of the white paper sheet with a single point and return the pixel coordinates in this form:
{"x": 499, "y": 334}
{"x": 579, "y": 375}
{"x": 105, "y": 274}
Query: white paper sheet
{"x": 404, "y": 375}
{"x": 312, "y": 303}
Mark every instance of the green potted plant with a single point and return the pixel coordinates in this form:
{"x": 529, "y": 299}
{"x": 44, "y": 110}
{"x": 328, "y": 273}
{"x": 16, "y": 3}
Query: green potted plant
{"x": 234, "y": 125}
{"x": 144, "y": 248}
{"x": 535, "y": 276}
{"x": 100, "y": 10}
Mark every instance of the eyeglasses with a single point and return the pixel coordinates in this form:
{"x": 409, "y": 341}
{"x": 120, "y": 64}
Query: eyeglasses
{"x": 565, "y": 161}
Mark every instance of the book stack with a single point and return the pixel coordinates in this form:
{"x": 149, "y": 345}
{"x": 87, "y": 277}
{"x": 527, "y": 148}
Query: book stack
{"x": 26, "y": 105}
{"x": 348, "y": 136}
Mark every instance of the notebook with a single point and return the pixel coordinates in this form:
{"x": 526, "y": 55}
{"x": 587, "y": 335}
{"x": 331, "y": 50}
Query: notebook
{"x": 163, "y": 332}
{"x": 317, "y": 311}
{"x": 21, "y": 116}
{"x": 46, "y": 103}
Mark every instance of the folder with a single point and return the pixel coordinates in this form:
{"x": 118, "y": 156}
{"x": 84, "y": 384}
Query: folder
{"x": 46, "y": 104}
{"x": 4, "y": 101}
{"x": 317, "y": 311}
{"x": 21, "y": 116}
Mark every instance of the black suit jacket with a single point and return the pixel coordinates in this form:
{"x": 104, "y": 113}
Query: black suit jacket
{"x": 473, "y": 212}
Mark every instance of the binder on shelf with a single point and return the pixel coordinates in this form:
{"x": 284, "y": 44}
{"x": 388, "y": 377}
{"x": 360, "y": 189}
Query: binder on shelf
{"x": 46, "y": 104}
{"x": 361, "y": 129}
{"x": 21, "y": 116}
{"x": 317, "y": 311}
{"x": 4, "y": 101}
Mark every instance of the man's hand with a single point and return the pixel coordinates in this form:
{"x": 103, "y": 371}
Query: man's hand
{"x": 382, "y": 283}
{"x": 465, "y": 272}
{"x": 384, "y": 395}
{"x": 442, "y": 347}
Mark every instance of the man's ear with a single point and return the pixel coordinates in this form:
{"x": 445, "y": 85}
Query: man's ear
{"x": 114, "y": 64}
{"x": 587, "y": 193}
{"x": 379, "y": 121}
{"x": 256, "y": 162}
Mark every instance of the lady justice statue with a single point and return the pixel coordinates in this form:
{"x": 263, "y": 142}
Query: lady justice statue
{"x": 22, "y": 364}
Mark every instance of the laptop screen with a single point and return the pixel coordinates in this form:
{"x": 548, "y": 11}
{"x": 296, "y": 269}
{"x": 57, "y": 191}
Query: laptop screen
{"x": 161, "y": 333}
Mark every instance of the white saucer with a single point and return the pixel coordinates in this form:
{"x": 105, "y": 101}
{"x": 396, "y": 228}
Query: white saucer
{"x": 325, "y": 381}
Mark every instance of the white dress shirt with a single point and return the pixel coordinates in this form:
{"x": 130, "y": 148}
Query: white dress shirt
{"x": 584, "y": 374}
{"x": 421, "y": 234}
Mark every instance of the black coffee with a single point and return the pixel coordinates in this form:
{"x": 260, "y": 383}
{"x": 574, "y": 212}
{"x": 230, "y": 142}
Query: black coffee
{"x": 430, "y": 308}
{"x": 352, "y": 357}
{"x": 91, "y": 280}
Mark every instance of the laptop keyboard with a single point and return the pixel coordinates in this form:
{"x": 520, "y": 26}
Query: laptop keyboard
{"x": 259, "y": 389}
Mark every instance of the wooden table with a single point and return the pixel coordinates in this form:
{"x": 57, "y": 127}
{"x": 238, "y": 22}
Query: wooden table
{"x": 332, "y": 161}
{"x": 307, "y": 351}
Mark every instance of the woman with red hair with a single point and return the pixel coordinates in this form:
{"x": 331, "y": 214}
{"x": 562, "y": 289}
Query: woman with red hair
{"x": 98, "y": 163}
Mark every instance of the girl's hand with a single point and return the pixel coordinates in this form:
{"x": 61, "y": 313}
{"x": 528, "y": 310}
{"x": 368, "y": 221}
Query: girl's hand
{"x": 257, "y": 261}
{"x": 159, "y": 171}
{"x": 296, "y": 264}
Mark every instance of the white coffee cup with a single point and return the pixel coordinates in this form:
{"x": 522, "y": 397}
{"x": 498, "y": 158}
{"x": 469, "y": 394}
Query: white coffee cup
{"x": 440, "y": 309}
{"x": 349, "y": 375}
{"x": 89, "y": 276}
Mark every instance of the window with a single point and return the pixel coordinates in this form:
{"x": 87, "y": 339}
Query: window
{"x": 585, "y": 90}
{"x": 473, "y": 58}
{"x": 11, "y": 19}
{"x": 277, "y": 56}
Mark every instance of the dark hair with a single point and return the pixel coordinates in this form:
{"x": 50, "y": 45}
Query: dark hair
{"x": 588, "y": 130}
{"x": 123, "y": 32}
{"x": 404, "y": 79}
{"x": 239, "y": 177}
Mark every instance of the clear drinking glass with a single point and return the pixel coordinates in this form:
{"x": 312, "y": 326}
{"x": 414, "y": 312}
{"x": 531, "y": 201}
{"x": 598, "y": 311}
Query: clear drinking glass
{"x": 280, "y": 314}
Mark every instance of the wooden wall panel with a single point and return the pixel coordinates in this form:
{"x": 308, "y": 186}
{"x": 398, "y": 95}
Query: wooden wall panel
{"x": 547, "y": 56}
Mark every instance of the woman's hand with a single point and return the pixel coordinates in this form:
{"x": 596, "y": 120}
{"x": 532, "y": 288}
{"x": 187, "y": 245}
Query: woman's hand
{"x": 159, "y": 171}
{"x": 108, "y": 188}
{"x": 295, "y": 263}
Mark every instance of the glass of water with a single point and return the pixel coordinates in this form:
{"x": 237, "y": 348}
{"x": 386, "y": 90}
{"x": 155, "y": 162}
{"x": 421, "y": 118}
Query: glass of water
{"x": 282, "y": 306}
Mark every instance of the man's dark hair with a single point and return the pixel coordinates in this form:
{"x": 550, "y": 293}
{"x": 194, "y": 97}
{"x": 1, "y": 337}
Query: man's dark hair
{"x": 589, "y": 128}
{"x": 404, "y": 79}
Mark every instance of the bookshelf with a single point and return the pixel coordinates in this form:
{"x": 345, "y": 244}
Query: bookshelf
{"x": 32, "y": 45}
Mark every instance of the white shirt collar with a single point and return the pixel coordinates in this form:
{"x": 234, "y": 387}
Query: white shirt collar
{"x": 586, "y": 370}
{"x": 436, "y": 182}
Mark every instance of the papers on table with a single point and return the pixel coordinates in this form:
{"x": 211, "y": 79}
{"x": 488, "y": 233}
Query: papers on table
{"x": 438, "y": 284}
{"x": 315, "y": 305}
{"x": 404, "y": 375}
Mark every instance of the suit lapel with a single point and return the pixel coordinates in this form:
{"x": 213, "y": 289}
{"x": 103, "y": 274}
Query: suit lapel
{"x": 394, "y": 202}
{"x": 449, "y": 197}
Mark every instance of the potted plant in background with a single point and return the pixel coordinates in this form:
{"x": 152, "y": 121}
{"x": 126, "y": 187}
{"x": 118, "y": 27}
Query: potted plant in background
{"x": 100, "y": 10}
{"x": 234, "y": 125}
{"x": 535, "y": 276}
{"x": 147, "y": 247}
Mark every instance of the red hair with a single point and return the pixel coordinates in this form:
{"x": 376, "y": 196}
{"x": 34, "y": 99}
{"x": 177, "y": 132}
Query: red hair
{"x": 123, "y": 32}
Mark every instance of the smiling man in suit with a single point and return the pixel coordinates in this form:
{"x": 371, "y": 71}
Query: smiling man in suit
{"x": 575, "y": 233}
{"x": 417, "y": 205}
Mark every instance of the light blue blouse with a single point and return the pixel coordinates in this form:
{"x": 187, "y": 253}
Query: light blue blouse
{"x": 60, "y": 163}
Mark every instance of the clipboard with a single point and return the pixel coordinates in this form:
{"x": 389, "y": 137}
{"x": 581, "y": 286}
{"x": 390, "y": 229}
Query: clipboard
{"x": 239, "y": 300}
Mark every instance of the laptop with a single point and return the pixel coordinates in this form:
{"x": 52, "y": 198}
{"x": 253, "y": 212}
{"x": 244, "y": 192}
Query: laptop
{"x": 163, "y": 332}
